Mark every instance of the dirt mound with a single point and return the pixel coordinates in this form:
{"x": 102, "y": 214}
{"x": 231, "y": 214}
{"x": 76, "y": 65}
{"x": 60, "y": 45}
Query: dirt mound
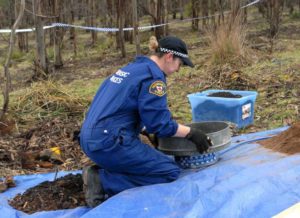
{"x": 224, "y": 95}
{"x": 64, "y": 193}
{"x": 287, "y": 142}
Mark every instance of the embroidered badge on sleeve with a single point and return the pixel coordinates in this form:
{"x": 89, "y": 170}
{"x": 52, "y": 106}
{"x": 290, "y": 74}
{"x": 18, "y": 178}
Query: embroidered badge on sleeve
{"x": 158, "y": 88}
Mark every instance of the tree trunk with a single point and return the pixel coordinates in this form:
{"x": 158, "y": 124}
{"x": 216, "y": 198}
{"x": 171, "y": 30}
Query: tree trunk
{"x": 174, "y": 8}
{"x": 290, "y": 6}
{"x": 41, "y": 57}
{"x": 91, "y": 4}
{"x": 181, "y": 9}
{"x": 7, "y": 76}
{"x": 26, "y": 43}
{"x": 195, "y": 13}
{"x": 166, "y": 19}
{"x": 51, "y": 8}
{"x": 59, "y": 34}
{"x": 87, "y": 13}
{"x": 135, "y": 26}
{"x": 212, "y": 12}
{"x": 244, "y": 15}
{"x": 81, "y": 9}
{"x": 120, "y": 15}
{"x": 11, "y": 12}
{"x": 272, "y": 11}
{"x": 159, "y": 31}
{"x": 221, "y": 12}
{"x": 152, "y": 4}
{"x": 275, "y": 10}
{"x": 21, "y": 41}
{"x": 128, "y": 36}
{"x": 109, "y": 20}
{"x": 20, "y": 36}
{"x": 28, "y": 21}
{"x": 205, "y": 10}
{"x": 72, "y": 29}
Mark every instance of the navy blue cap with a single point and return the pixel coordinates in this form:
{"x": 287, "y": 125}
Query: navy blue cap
{"x": 174, "y": 45}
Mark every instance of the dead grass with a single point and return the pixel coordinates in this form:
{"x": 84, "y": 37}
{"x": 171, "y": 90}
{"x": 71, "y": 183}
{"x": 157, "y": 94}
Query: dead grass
{"x": 48, "y": 99}
{"x": 227, "y": 43}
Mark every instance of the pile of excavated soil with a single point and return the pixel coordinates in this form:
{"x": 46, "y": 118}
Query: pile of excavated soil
{"x": 287, "y": 142}
{"x": 63, "y": 193}
{"x": 224, "y": 95}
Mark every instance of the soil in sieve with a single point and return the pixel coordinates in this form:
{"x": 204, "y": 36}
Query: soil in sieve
{"x": 287, "y": 142}
{"x": 224, "y": 95}
{"x": 63, "y": 193}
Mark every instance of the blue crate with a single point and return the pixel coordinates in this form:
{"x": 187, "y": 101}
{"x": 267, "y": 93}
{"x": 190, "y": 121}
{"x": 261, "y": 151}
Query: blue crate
{"x": 236, "y": 110}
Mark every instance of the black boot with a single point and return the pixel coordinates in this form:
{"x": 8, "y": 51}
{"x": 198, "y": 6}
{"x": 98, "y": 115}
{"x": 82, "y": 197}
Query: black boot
{"x": 92, "y": 188}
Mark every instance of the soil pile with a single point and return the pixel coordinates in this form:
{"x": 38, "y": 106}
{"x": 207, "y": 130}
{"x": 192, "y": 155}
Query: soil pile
{"x": 287, "y": 142}
{"x": 224, "y": 95}
{"x": 64, "y": 193}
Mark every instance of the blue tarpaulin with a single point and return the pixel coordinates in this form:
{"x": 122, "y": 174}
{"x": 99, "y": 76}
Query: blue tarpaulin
{"x": 248, "y": 181}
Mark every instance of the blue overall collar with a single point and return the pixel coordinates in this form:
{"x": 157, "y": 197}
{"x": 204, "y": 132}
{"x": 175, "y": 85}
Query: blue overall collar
{"x": 152, "y": 64}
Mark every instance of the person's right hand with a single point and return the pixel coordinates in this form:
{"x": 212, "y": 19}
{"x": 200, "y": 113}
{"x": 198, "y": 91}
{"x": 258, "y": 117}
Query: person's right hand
{"x": 200, "y": 139}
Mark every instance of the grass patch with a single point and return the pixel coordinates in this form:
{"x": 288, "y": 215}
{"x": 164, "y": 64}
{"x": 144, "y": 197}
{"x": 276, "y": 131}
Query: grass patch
{"x": 17, "y": 55}
{"x": 295, "y": 15}
{"x": 227, "y": 42}
{"x": 85, "y": 89}
{"x": 48, "y": 99}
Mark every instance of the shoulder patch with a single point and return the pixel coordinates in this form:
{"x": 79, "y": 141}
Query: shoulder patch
{"x": 158, "y": 88}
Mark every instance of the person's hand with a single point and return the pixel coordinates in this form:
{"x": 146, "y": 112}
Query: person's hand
{"x": 200, "y": 139}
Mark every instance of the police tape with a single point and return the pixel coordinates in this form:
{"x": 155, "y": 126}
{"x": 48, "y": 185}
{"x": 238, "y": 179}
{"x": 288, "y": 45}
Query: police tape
{"x": 23, "y": 30}
{"x": 104, "y": 29}
{"x": 250, "y": 4}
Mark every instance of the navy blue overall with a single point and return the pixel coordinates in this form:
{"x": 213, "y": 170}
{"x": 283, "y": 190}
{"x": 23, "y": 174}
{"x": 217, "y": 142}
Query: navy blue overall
{"x": 133, "y": 97}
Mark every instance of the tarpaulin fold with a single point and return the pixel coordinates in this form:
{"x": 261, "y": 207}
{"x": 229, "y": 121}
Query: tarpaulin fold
{"x": 248, "y": 181}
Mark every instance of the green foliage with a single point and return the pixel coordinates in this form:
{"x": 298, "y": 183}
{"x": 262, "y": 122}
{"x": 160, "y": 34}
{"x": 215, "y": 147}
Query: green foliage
{"x": 50, "y": 53}
{"x": 4, "y": 3}
{"x": 106, "y": 43}
{"x": 187, "y": 10}
{"x": 18, "y": 55}
{"x": 295, "y": 15}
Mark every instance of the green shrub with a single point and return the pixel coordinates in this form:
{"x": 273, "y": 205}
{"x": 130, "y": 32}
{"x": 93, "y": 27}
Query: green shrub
{"x": 295, "y": 15}
{"x": 17, "y": 55}
{"x": 50, "y": 53}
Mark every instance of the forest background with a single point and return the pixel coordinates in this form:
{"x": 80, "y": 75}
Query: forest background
{"x": 50, "y": 76}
